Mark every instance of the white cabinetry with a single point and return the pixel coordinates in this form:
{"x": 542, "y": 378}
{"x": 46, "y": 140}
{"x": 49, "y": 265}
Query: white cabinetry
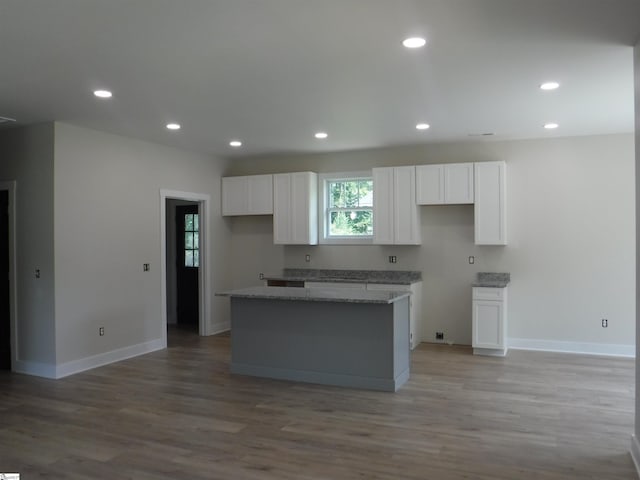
{"x": 395, "y": 213}
{"x": 295, "y": 208}
{"x": 489, "y": 322}
{"x": 444, "y": 184}
{"x": 247, "y": 195}
{"x": 415, "y": 307}
{"x": 490, "y": 203}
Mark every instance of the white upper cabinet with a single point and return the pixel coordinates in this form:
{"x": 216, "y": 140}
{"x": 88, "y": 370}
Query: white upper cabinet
{"x": 444, "y": 184}
{"x": 295, "y": 208}
{"x": 395, "y": 214}
{"x": 430, "y": 184}
{"x": 247, "y": 195}
{"x": 490, "y": 203}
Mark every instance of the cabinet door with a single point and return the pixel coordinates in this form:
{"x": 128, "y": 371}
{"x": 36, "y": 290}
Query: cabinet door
{"x": 488, "y": 324}
{"x": 430, "y": 184}
{"x": 383, "y": 205}
{"x": 304, "y": 208}
{"x": 405, "y": 211}
{"x": 458, "y": 183}
{"x": 281, "y": 208}
{"x": 235, "y": 195}
{"x": 260, "y": 193}
{"x": 490, "y": 203}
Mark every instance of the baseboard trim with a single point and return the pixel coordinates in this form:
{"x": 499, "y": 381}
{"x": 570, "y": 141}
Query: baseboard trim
{"x": 87, "y": 363}
{"x": 36, "y": 369}
{"x": 607, "y": 349}
{"x": 635, "y": 453}
{"x": 217, "y": 328}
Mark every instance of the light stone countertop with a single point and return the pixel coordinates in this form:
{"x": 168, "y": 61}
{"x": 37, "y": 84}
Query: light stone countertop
{"x": 397, "y": 277}
{"x": 316, "y": 294}
{"x": 492, "y": 280}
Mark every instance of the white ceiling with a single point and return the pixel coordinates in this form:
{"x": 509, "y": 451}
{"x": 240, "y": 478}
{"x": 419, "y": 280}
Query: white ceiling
{"x": 274, "y": 72}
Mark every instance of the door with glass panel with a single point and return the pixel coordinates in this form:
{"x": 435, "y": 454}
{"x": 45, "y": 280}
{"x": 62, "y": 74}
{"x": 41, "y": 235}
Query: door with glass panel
{"x": 187, "y": 263}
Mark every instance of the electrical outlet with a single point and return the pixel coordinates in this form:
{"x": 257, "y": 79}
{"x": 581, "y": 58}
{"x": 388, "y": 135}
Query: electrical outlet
{"x": 439, "y": 335}
{"x": 393, "y": 259}
{"x": 261, "y": 276}
{"x": 605, "y": 323}
{"x": 307, "y": 258}
{"x": 472, "y": 260}
{"x": 145, "y": 267}
{"x": 101, "y": 331}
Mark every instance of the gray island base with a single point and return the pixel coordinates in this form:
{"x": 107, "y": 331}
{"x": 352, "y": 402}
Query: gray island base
{"x": 327, "y": 337}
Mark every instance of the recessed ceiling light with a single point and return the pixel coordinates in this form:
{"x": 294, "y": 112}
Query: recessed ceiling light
{"x": 551, "y": 126}
{"x": 235, "y": 143}
{"x": 414, "y": 42}
{"x": 103, "y": 93}
{"x": 423, "y": 126}
{"x": 321, "y": 135}
{"x": 173, "y": 126}
{"x": 549, "y": 86}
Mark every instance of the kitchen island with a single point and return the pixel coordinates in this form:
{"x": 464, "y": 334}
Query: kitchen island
{"x": 334, "y": 337}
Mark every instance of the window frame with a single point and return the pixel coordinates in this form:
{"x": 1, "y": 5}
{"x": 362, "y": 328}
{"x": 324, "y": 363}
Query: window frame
{"x": 324, "y": 209}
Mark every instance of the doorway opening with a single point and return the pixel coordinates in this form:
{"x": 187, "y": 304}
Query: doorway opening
{"x": 183, "y": 265}
{"x": 8, "y": 289}
{"x": 5, "y": 309}
{"x": 185, "y": 275}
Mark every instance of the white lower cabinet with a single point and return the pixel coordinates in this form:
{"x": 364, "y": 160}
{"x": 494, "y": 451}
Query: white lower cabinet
{"x": 415, "y": 307}
{"x": 489, "y": 322}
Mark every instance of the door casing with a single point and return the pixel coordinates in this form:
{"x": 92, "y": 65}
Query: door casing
{"x": 204, "y": 279}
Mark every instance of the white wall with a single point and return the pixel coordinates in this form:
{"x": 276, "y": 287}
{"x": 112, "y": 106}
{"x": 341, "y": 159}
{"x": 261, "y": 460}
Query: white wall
{"x": 107, "y": 224}
{"x": 27, "y": 158}
{"x": 635, "y": 446}
{"x": 570, "y": 228}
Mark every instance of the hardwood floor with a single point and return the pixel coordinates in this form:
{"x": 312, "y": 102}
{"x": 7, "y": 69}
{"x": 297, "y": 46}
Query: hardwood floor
{"x": 178, "y": 413}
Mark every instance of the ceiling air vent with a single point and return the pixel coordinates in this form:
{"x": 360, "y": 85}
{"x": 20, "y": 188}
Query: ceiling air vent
{"x": 488, "y": 134}
{"x": 6, "y": 120}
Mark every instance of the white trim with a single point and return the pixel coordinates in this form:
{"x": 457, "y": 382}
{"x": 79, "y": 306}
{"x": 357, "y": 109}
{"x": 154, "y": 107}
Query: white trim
{"x": 635, "y": 453}
{"x": 87, "y": 363}
{"x": 220, "y": 327}
{"x": 205, "y": 276}
{"x": 13, "y": 277}
{"x": 34, "y": 368}
{"x": 608, "y": 349}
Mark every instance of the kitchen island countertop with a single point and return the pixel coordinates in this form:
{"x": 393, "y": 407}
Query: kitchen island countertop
{"x": 316, "y": 294}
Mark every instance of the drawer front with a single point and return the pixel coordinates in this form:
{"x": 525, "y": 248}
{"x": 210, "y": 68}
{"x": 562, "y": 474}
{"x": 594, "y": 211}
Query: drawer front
{"x": 488, "y": 293}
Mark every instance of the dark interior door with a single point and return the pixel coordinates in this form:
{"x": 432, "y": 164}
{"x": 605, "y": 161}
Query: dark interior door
{"x": 187, "y": 264}
{"x": 5, "y": 331}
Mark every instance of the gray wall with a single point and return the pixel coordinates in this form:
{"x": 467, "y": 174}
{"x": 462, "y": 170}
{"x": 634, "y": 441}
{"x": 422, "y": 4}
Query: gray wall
{"x": 570, "y": 229}
{"x": 27, "y": 158}
{"x": 107, "y": 224}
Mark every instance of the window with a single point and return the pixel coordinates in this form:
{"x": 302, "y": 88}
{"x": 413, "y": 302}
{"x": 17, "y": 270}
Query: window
{"x": 191, "y": 240}
{"x": 348, "y": 207}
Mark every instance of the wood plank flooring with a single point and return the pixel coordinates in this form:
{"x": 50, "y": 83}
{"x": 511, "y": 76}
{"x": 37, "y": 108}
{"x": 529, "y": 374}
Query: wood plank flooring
{"x": 178, "y": 413}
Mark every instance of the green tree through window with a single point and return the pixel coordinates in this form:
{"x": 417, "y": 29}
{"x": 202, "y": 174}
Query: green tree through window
{"x": 349, "y": 207}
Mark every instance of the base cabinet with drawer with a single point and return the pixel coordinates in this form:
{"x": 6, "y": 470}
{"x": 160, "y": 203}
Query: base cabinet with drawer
{"x": 489, "y": 322}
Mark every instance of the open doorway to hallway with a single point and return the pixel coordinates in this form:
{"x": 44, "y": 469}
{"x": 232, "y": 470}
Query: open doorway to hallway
{"x": 5, "y": 296}
{"x": 183, "y": 260}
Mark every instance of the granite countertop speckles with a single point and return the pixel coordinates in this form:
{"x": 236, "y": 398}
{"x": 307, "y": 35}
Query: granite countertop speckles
{"x": 316, "y": 294}
{"x": 492, "y": 279}
{"x": 398, "y": 277}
